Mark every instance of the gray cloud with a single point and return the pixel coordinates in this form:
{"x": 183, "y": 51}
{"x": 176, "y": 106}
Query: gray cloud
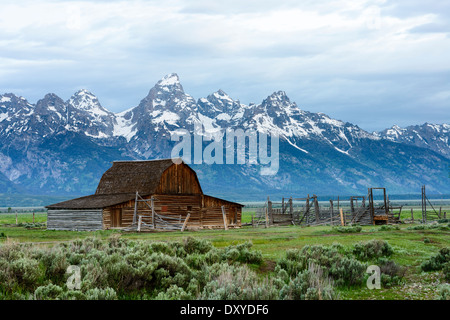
{"x": 371, "y": 62}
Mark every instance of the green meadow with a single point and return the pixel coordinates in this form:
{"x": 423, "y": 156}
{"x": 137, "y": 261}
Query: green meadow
{"x": 411, "y": 247}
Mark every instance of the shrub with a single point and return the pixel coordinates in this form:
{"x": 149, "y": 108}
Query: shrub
{"x": 310, "y": 284}
{"x": 350, "y": 229}
{"x": 372, "y": 249}
{"x": 48, "y": 292}
{"x": 446, "y": 271}
{"x": 344, "y": 270}
{"x": 174, "y": 293}
{"x": 443, "y": 292}
{"x": 237, "y": 283}
{"x": 388, "y": 228}
{"x": 192, "y": 245}
{"x": 437, "y": 262}
{"x": 101, "y": 294}
{"x": 430, "y": 227}
{"x": 391, "y": 273}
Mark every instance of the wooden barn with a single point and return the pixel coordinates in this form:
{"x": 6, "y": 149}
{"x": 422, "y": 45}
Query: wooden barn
{"x": 157, "y": 194}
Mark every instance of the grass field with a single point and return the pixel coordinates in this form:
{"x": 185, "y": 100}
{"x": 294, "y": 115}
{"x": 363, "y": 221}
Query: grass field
{"x": 411, "y": 247}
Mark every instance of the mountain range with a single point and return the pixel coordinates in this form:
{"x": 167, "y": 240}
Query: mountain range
{"x": 57, "y": 147}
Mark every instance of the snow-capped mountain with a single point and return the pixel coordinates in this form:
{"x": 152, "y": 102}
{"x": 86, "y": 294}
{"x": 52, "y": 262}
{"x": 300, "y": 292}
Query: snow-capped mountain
{"x": 57, "y": 146}
{"x": 432, "y": 136}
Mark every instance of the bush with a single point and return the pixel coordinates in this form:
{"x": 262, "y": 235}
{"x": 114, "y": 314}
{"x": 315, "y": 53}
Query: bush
{"x": 48, "y": 292}
{"x": 237, "y": 283}
{"x": 443, "y": 292}
{"x": 101, "y": 294}
{"x": 174, "y": 293}
{"x": 372, "y": 249}
{"x": 446, "y": 271}
{"x": 391, "y": 273}
{"x": 344, "y": 270}
{"x": 350, "y": 229}
{"x": 437, "y": 262}
{"x": 310, "y": 284}
{"x": 430, "y": 227}
{"x": 388, "y": 228}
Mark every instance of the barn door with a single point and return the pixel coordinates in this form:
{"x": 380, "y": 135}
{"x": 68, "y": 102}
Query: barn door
{"x": 116, "y": 218}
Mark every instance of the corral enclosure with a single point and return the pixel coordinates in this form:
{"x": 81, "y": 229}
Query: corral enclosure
{"x": 361, "y": 209}
{"x": 157, "y": 194}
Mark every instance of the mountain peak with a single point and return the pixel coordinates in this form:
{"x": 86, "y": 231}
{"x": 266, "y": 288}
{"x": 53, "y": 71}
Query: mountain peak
{"x": 279, "y": 95}
{"x": 85, "y": 100}
{"x": 169, "y": 80}
{"x": 222, "y": 95}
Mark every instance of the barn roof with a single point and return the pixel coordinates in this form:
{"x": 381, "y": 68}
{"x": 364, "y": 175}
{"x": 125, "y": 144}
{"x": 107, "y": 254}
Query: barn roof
{"x": 132, "y": 176}
{"x": 94, "y": 201}
{"x": 120, "y": 183}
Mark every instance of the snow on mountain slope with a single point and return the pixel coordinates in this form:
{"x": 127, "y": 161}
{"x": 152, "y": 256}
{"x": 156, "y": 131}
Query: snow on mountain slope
{"x": 45, "y": 143}
{"x": 431, "y": 136}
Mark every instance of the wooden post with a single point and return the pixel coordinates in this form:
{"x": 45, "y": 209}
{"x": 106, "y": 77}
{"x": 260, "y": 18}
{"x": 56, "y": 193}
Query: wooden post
{"x": 139, "y": 224}
{"x": 267, "y": 218}
{"x": 307, "y": 210}
{"x": 16, "y": 218}
{"x": 135, "y": 208}
{"x": 269, "y": 211}
{"x": 224, "y": 218}
{"x": 33, "y": 216}
{"x": 342, "y": 217}
{"x": 331, "y": 211}
{"x": 283, "y": 209}
{"x": 253, "y": 222}
{"x": 316, "y": 209}
{"x": 153, "y": 213}
{"x": 291, "y": 207}
{"x": 185, "y": 222}
{"x": 440, "y": 212}
{"x": 352, "y": 207}
{"x": 412, "y": 214}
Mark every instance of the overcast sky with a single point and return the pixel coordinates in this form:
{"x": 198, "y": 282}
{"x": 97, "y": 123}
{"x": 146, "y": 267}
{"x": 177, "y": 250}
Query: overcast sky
{"x": 374, "y": 63}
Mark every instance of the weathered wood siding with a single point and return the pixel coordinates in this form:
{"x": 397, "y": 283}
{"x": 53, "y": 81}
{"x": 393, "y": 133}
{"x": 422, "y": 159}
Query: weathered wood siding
{"x": 179, "y": 179}
{"x": 71, "y": 219}
{"x": 206, "y": 211}
{"x": 213, "y": 217}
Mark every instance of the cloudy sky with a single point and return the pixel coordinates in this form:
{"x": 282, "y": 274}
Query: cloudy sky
{"x": 374, "y": 63}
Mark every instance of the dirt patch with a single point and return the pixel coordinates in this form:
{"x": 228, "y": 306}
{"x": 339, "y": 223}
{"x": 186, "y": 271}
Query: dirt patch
{"x": 267, "y": 266}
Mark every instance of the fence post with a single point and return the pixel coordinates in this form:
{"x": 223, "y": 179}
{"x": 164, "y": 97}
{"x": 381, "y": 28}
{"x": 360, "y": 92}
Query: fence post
{"x": 342, "y": 217}
{"x": 16, "y": 218}
{"x": 412, "y": 214}
{"x": 139, "y": 224}
{"x": 331, "y": 211}
{"x": 224, "y": 218}
{"x": 291, "y": 207}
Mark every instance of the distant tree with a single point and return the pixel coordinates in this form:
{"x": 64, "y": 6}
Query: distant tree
{"x": 9, "y": 210}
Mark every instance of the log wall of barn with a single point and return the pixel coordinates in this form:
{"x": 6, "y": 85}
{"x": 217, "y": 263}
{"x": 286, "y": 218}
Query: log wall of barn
{"x": 72, "y": 219}
{"x": 206, "y": 212}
